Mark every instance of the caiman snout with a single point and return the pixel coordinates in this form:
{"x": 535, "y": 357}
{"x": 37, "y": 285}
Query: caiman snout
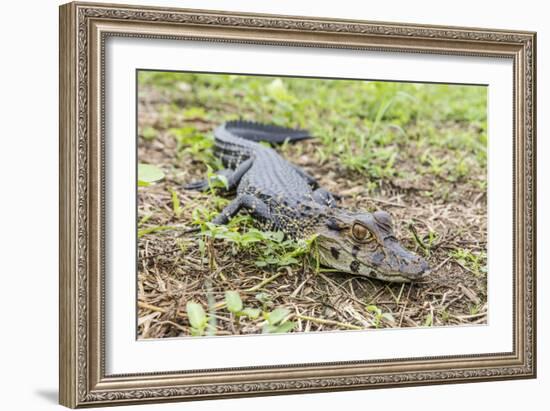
{"x": 420, "y": 269}
{"x": 402, "y": 261}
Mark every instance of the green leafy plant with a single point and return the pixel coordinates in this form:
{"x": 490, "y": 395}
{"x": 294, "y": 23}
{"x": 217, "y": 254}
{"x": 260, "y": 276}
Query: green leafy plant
{"x": 431, "y": 239}
{"x": 197, "y": 318}
{"x": 380, "y": 316}
{"x": 476, "y": 262}
{"x": 235, "y": 306}
{"x": 196, "y": 144}
{"x": 215, "y": 180}
{"x": 148, "y": 174}
{"x": 195, "y": 113}
{"x": 434, "y": 163}
{"x": 202, "y": 215}
{"x": 274, "y": 250}
{"x": 280, "y": 252}
{"x": 427, "y": 242}
{"x": 277, "y": 322}
{"x": 149, "y": 133}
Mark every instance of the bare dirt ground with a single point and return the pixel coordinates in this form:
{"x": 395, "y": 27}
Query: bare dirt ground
{"x": 173, "y": 270}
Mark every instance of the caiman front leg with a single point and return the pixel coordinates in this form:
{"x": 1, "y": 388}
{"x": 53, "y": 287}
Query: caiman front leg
{"x": 233, "y": 177}
{"x": 256, "y": 207}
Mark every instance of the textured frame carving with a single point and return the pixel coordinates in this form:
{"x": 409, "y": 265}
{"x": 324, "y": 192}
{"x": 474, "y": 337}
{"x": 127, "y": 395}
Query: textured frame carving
{"x": 83, "y": 30}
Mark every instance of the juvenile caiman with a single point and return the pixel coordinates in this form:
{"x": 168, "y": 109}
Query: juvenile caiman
{"x": 281, "y": 196}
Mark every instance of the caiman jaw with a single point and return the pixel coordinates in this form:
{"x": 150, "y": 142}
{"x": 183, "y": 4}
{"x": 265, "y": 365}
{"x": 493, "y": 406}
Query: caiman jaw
{"x": 364, "y": 244}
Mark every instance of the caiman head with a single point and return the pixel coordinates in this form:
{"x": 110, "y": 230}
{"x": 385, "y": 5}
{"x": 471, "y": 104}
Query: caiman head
{"x": 365, "y": 244}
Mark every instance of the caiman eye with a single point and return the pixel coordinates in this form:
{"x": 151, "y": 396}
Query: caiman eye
{"x": 360, "y": 232}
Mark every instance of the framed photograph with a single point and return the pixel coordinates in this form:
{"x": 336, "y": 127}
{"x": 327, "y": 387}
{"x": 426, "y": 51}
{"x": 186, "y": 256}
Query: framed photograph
{"x": 260, "y": 204}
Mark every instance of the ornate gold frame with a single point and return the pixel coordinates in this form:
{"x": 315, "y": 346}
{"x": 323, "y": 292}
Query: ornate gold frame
{"x": 83, "y": 30}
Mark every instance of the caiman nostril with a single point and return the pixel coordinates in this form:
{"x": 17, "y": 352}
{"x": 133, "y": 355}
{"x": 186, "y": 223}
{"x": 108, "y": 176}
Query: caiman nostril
{"x": 424, "y": 268}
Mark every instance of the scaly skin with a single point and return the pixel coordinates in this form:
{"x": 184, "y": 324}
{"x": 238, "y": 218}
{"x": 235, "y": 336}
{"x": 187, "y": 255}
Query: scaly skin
{"x": 281, "y": 196}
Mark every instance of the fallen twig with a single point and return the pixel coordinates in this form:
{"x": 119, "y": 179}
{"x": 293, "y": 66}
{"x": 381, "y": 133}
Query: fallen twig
{"x": 151, "y": 307}
{"x": 328, "y": 322}
{"x": 264, "y": 282}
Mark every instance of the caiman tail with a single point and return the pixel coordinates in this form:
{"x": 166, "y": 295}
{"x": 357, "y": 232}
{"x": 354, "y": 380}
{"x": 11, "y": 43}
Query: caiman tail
{"x": 235, "y": 141}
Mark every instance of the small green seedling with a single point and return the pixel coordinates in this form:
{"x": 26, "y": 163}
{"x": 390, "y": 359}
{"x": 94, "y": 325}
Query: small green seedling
{"x": 432, "y": 237}
{"x": 474, "y": 261}
{"x": 233, "y": 301}
{"x": 235, "y": 306}
{"x": 195, "y": 113}
{"x": 148, "y": 133}
{"x": 215, "y": 180}
{"x": 197, "y": 145}
{"x": 474, "y": 309}
{"x": 427, "y": 243}
{"x": 197, "y": 318}
{"x": 148, "y": 174}
{"x": 277, "y": 322}
{"x": 176, "y": 205}
{"x": 428, "y": 322}
{"x": 201, "y": 215}
{"x": 379, "y": 316}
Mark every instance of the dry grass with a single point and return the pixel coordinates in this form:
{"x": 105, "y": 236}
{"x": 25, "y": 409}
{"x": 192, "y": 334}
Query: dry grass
{"x": 172, "y": 270}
